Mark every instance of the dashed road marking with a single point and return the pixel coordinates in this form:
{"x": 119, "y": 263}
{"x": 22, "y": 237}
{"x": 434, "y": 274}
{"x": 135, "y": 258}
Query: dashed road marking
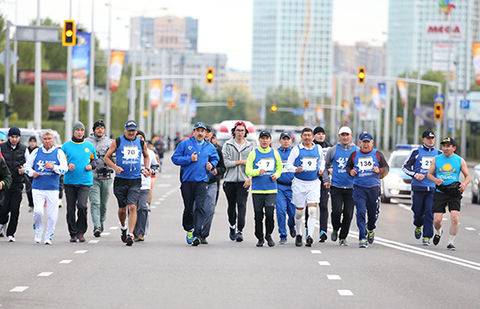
{"x": 161, "y": 199}
{"x": 44, "y": 274}
{"x": 470, "y": 228}
{"x": 93, "y": 241}
{"x": 315, "y": 251}
{"x": 345, "y": 293}
{"x": 404, "y": 206}
{"x": 324, "y": 263}
{"x": 157, "y": 203}
{"x": 81, "y": 251}
{"x": 334, "y": 277}
{"x": 105, "y": 233}
{"x": 154, "y": 207}
{"x": 19, "y": 289}
{"x": 65, "y": 262}
{"x": 114, "y": 228}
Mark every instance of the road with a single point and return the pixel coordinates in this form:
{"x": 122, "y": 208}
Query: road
{"x": 163, "y": 272}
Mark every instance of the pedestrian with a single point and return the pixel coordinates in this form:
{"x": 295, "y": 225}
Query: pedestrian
{"x": 306, "y": 160}
{"x": 159, "y": 145}
{"x": 81, "y": 156}
{"x": 127, "y": 184}
{"x": 284, "y": 205}
{"x": 45, "y": 165}
{"x": 102, "y": 178}
{"x": 196, "y": 157}
{"x": 264, "y": 166}
{"x": 445, "y": 173}
{"x": 341, "y": 185}
{"x": 5, "y": 182}
{"x": 14, "y": 153}
{"x": 368, "y": 166}
{"x": 417, "y": 166}
{"x": 213, "y": 186}
{"x": 32, "y": 145}
{"x": 236, "y": 183}
{"x": 320, "y": 138}
{"x": 145, "y": 190}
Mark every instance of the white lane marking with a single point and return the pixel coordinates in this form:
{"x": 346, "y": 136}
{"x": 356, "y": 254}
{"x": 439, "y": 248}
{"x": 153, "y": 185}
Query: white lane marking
{"x": 93, "y": 241}
{"x": 345, "y": 293}
{"x": 157, "y": 203}
{"x": 19, "y": 289}
{"x": 81, "y": 251}
{"x": 423, "y": 252}
{"x": 65, "y": 262}
{"x": 114, "y": 228}
{"x": 403, "y": 206}
{"x": 323, "y": 263}
{"x": 334, "y": 277}
{"x": 105, "y": 233}
{"x": 44, "y": 274}
{"x": 470, "y": 229}
{"x": 315, "y": 251}
{"x": 161, "y": 199}
{"x": 154, "y": 207}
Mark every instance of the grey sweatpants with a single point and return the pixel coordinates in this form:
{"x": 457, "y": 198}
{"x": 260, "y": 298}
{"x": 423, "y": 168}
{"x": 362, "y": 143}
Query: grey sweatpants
{"x": 142, "y": 213}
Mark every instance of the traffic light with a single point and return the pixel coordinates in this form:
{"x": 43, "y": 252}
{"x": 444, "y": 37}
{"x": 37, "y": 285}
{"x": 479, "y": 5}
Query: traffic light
{"x": 230, "y": 103}
{"x": 438, "y": 111}
{"x": 69, "y": 33}
{"x": 362, "y": 74}
{"x": 274, "y": 108}
{"x": 306, "y": 104}
{"x": 210, "y": 75}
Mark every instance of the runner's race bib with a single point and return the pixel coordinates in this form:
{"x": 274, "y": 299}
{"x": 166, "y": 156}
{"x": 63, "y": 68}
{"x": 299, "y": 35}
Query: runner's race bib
{"x": 130, "y": 153}
{"x": 309, "y": 164}
{"x": 365, "y": 164}
{"x": 426, "y": 163}
{"x": 267, "y": 165}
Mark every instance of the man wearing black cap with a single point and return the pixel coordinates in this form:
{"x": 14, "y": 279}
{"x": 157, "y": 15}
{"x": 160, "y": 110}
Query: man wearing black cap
{"x": 417, "y": 166}
{"x": 320, "y": 138}
{"x": 367, "y": 166}
{"x": 445, "y": 173}
{"x": 127, "y": 184}
{"x": 102, "y": 180}
{"x": 14, "y": 154}
{"x": 196, "y": 157}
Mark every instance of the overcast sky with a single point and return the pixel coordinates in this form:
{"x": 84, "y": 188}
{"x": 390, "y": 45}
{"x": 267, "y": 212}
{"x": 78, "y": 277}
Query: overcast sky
{"x": 225, "y": 26}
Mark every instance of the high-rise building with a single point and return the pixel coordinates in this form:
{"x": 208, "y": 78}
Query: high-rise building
{"x": 191, "y": 32}
{"x": 430, "y": 35}
{"x": 141, "y": 32}
{"x": 347, "y": 58}
{"x": 292, "y": 46}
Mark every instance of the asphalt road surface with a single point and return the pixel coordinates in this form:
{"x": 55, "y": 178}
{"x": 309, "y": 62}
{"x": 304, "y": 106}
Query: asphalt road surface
{"x": 164, "y": 272}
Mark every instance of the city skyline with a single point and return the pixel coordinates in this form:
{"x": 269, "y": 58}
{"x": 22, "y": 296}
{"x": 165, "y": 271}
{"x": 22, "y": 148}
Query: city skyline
{"x": 234, "y": 37}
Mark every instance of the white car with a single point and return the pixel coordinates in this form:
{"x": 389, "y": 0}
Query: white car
{"x": 224, "y": 131}
{"x": 27, "y": 133}
{"x": 397, "y": 184}
{"x": 476, "y": 185}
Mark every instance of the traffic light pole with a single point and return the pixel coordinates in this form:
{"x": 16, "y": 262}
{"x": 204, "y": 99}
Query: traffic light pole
{"x": 6, "y": 94}
{"x": 37, "y": 107}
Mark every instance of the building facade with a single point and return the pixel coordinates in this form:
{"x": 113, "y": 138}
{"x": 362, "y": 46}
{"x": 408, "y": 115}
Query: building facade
{"x": 347, "y": 58}
{"x": 292, "y": 47}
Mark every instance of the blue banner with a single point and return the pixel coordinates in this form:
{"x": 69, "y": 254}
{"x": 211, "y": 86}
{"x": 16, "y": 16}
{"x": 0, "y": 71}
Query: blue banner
{"x": 168, "y": 93}
{"x": 183, "y": 99}
{"x": 57, "y": 93}
{"x": 382, "y": 89}
{"x": 81, "y": 58}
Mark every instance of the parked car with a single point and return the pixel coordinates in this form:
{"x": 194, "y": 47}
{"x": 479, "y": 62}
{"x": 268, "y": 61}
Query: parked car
{"x": 476, "y": 185}
{"x": 397, "y": 184}
{"x": 27, "y": 133}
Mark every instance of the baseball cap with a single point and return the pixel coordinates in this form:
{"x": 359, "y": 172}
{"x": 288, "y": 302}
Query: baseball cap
{"x": 285, "y": 135}
{"x": 130, "y": 125}
{"x": 345, "y": 130}
{"x": 365, "y": 136}
{"x": 448, "y": 140}
{"x": 318, "y": 130}
{"x": 428, "y": 133}
{"x": 199, "y": 125}
{"x": 264, "y": 134}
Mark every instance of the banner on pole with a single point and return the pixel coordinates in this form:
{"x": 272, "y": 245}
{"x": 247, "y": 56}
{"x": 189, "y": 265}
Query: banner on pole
{"x": 115, "y": 72}
{"x": 154, "y": 93}
{"x": 376, "y": 98}
{"x": 81, "y": 59}
{"x": 402, "y": 89}
{"x": 476, "y": 61}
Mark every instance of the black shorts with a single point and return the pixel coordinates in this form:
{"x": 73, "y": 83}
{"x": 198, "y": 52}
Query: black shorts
{"x": 442, "y": 200}
{"x": 127, "y": 191}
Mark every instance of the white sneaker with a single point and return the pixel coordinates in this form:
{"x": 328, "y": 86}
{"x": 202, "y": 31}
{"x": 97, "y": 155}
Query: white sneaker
{"x": 48, "y": 241}
{"x": 11, "y": 239}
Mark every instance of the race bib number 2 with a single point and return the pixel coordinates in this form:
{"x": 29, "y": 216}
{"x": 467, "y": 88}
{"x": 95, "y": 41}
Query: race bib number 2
{"x": 426, "y": 163}
{"x": 365, "y": 164}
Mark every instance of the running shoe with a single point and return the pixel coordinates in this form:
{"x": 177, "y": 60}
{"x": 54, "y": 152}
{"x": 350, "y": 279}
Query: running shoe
{"x": 239, "y": 236}
{"x": 451, "y": 247}
{"x": 426, "y": 241}
{"x": 293, "y": 233}
{"x": 323, "y": 236}
{"x": 363, "y": 243}
{"x": 334, "y": 235}
{"x": 309, "y": 241}
{"x": 203, "y": 241}
{"x": 270, "y": 241}
{"x": 48, "y": 241}
{"x": 370, "y": 236}
{"x": 123, "y": 236}
{"x": 73, "y": 239}
{"x": 195, "y": 241}
{"x": 81, "y": 238}
{"x": 30, "y": 208}
{"x": 260, "y": 243}
{"x": 418, "y": 232}
{"x": 436, "y": 238}
{"x": 232, "y": 234}
{"x": 298, "y": 241}
{"x": 189, "y": 237}
{"x": 97, "y": 232}
{"x": 343, "y": 242}
{"x": 11, "y": 239}
{"x": 129, "y": 240}
{"x": 282, "y": 241}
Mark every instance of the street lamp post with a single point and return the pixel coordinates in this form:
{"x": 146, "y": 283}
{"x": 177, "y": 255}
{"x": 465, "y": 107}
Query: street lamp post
{"x": 37, "y": 115}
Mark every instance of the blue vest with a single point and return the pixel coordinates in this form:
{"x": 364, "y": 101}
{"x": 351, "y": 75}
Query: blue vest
{"x": 308, "y": 159}
{"x": 364, "y": 163}
{"x": 340, "y": 177}
{"x": 448, "y": 168}
{"x": 422, "y": 165}
{"x": 286, "y": 177}
{"x": 265, "y": 161}
{"x": 48, "y": 179}
{"x": 128, "y": 155}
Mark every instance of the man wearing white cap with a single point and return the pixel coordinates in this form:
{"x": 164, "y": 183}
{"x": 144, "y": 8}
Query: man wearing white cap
{"x": 341, "y": 184}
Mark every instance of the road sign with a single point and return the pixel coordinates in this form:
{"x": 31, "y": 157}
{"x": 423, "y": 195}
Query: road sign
{"x": 298, "y": 111}
{"x": 357, "y": 102}
{"x": 439, "y": 98}
{"x": 465, "y": 104}
{"x": 35, "y": 33}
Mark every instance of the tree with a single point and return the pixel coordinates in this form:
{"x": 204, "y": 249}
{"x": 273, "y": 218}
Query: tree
{"x": 283, "y": 97}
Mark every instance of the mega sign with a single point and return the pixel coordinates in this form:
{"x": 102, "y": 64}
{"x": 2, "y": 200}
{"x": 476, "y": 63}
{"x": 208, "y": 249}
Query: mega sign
{"x": 444, "y": 32}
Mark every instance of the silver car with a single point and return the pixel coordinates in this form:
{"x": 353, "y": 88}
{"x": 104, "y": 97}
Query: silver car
{"x": 396, "y": 184}
{"x": 476, "y": 185}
